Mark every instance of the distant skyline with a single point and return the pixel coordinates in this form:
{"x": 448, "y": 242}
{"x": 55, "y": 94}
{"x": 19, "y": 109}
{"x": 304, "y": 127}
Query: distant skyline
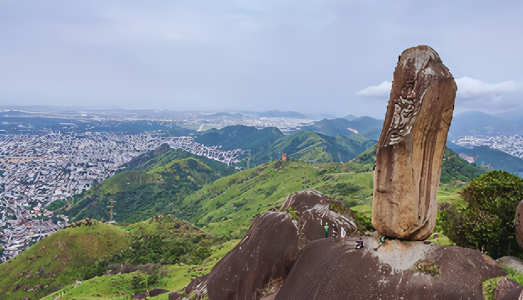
{"x": 313, "y": 57}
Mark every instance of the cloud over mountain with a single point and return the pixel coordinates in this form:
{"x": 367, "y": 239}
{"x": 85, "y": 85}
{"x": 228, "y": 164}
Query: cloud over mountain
{"x": 473, "y": 94}
{"x": 382, "y": 90}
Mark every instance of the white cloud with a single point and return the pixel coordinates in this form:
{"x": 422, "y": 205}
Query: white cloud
{"x": 470, "y": 88}
{"x": 382, "y": 90}
{"x": 472, "y": 94}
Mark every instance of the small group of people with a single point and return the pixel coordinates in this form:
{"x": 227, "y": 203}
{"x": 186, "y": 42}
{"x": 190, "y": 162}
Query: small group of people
{"x": 359, "y": 244}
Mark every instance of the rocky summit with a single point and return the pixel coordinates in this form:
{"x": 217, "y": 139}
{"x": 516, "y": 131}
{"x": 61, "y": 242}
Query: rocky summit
{"x": 411, "y": 146}
{"x": 272, "y": 245}
{"x": 334, "y": 269}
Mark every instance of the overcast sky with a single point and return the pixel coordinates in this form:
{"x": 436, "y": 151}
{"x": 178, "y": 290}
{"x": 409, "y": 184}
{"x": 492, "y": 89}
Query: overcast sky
{"x": 332, "y": 57}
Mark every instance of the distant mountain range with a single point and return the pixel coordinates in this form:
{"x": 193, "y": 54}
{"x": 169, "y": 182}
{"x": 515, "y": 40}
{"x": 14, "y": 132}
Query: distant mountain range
{"x": 480, "y": 123}
{"x": 365, "y": 126}
{"x": 281, "y": 114}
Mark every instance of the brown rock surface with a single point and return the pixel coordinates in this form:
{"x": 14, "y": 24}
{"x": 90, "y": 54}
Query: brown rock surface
{"x": 198, "y": 286}
{"x": 411, "y": 146}
{"x": 315, "y": 211}
{"x": 272, "y": 244}
{"x": 519, "y": 224}
{"x": 508, "y": 289}
{"x": 332, "y": 269}
{"x": 268, "y": 251}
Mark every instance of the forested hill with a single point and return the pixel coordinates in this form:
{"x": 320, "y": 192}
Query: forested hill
{"x": 453, "y": 167}
{"x": 314, "y": 147}
{"x": 240, "y": 137}
{"x": 149, "y": 184}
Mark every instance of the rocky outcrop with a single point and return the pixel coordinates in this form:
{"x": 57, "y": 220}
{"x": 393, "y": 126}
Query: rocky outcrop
{"x": 518, "y": 222}
{"x": 333, "y": 269}
{"x": 508, "y": 289}
{"x": 255, "y": 268}
{"x": 198, "y": 287}
{"x": 268, "y": 251}
{"x": 411, "y": 146}
{"x": 315, "y": 211}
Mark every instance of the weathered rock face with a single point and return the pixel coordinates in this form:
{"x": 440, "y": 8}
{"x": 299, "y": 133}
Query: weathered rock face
{"x": 315, "y": 211}
{"x": 518, "y": 222}
{"x": 332, "y": 269}
{"x": 268, "y": 251}
{"x": 411, "y": 146}
{"x": 508, "y": 289}
{"x": 255, "y": 268}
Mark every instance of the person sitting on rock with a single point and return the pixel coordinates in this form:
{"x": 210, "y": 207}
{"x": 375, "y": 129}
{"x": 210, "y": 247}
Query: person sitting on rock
{"x": 326, "y": 229}
{"x": 359, "y": 244}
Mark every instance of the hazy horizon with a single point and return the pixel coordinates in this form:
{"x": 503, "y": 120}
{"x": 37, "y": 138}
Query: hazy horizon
{"x": 310, "y": 57}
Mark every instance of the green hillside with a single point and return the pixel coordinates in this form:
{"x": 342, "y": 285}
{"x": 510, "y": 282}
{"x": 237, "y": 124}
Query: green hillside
{"x": 228, "y": 205}
{"x": 241, "y": 137}
{"x": 314, "y": 147}
{"x": 149, "y": 184}
{"x": 58, "y": 260}
{"x": 496, "y": 159}
{"x": 141, "y": 252}
{"x": 122, "y": 286}
{"x": 453, "y": 167}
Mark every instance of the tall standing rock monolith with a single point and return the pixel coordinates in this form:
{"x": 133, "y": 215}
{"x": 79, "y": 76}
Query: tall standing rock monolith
{"x": 411, "y": 146}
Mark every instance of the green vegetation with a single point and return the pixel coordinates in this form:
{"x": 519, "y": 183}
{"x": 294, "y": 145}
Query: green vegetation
{"x": 165, "y": 240}
{"x": 456, "y": 168}
{"x": 429, "y": 268}
{"x": 153, "y": 182}
{"x": 58, "y": 260}
{"x": 314, "y": 147}
{"x": 228, "y": 205}
{"x": 494, "y": 158}
{"x": 122, "y": 286}
{"x": 241, "y": 137}
{"x": 487, "y": 222}
{"x": 490, "y": 285}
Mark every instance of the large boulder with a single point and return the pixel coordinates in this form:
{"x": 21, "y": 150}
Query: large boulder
{"x": 255, "y": 268}
{"x": 333, "y": 269}
{"x": 508, "y": 289}
{"x": 268, "y": 251}
{"x": 315, "y": 211}
{"x": 411, "y": 146}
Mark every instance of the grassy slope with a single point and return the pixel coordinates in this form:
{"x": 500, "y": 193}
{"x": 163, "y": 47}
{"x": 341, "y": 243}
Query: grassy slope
{"x": 237, "y": 198}
{"x": 148, "y": 185}
{"x": 63, "y": 255}
{"x": 120, "y": 286}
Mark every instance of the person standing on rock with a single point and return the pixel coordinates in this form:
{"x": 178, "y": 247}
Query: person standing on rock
{"x": 326, "y": 229}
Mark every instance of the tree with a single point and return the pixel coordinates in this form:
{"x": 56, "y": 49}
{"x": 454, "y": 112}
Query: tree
{"x": 487, "y": 223}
